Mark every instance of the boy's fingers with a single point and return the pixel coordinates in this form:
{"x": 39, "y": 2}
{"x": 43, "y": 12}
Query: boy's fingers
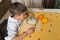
{"x": 33, "y": 29}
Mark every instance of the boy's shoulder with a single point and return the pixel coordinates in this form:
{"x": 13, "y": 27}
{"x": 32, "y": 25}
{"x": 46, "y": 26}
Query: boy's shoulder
{"x": 13, "y": 21}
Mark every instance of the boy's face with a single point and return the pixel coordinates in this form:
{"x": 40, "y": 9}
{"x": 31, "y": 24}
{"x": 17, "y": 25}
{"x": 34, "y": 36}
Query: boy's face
{"x": 22, "y": 16}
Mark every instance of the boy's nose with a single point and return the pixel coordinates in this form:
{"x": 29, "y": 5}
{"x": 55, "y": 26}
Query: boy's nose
{"x": 25, "y": 16}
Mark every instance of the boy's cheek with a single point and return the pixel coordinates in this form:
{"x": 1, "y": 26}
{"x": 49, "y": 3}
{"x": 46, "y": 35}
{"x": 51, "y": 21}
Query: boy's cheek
{"x": 23, "y": 17}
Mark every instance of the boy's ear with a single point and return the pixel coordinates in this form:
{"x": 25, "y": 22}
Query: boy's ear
{"x": 15, "y": 16}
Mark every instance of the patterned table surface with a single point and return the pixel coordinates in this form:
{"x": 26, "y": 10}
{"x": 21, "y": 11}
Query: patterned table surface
{"x": 48, "y": 31}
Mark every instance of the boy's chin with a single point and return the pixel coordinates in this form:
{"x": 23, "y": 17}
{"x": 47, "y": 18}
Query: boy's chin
{"x": 23, "y": 18}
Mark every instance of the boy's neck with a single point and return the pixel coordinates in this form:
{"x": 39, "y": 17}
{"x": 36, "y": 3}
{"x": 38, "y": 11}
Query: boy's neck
{"x": 14, "y": 18}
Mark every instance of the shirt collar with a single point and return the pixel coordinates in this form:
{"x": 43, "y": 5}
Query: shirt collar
{"x": 14, "y": 20}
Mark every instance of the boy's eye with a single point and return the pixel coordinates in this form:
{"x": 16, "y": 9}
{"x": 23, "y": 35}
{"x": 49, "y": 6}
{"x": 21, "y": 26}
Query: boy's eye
{"x": 26, "y": 13}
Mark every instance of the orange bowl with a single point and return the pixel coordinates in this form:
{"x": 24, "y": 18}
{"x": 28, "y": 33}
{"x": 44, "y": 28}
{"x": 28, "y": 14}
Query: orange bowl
{"x": 40, "y": 17}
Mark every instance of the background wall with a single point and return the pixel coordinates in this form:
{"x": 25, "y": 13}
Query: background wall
{"x": 4, "y": 6}
{"x": 29, "y": 3}
{"x": 38, "y": 3}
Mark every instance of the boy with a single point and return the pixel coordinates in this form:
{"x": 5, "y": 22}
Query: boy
{"x": 18, "y": 12}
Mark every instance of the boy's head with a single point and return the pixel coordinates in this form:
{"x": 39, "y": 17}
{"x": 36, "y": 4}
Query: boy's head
{"x": 18, "y": 11}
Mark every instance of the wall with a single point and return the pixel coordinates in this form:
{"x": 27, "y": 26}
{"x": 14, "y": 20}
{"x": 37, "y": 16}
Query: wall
{"x": 4, "y": 6}
{"x": 48, "y": 3}
{"x": 29, "y": 3}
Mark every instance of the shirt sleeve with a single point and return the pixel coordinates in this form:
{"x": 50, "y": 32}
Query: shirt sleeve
{"x": 12, "y": 31}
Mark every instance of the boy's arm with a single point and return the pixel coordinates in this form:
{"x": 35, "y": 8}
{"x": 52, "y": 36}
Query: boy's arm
{"x": 31, "y": 30}
{"x": 12, "y": 32}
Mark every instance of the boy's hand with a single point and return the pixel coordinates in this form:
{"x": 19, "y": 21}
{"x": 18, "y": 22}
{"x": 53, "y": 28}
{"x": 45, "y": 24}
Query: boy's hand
{"x": 29, "y": 31}
{"x": 31, "y": 14}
